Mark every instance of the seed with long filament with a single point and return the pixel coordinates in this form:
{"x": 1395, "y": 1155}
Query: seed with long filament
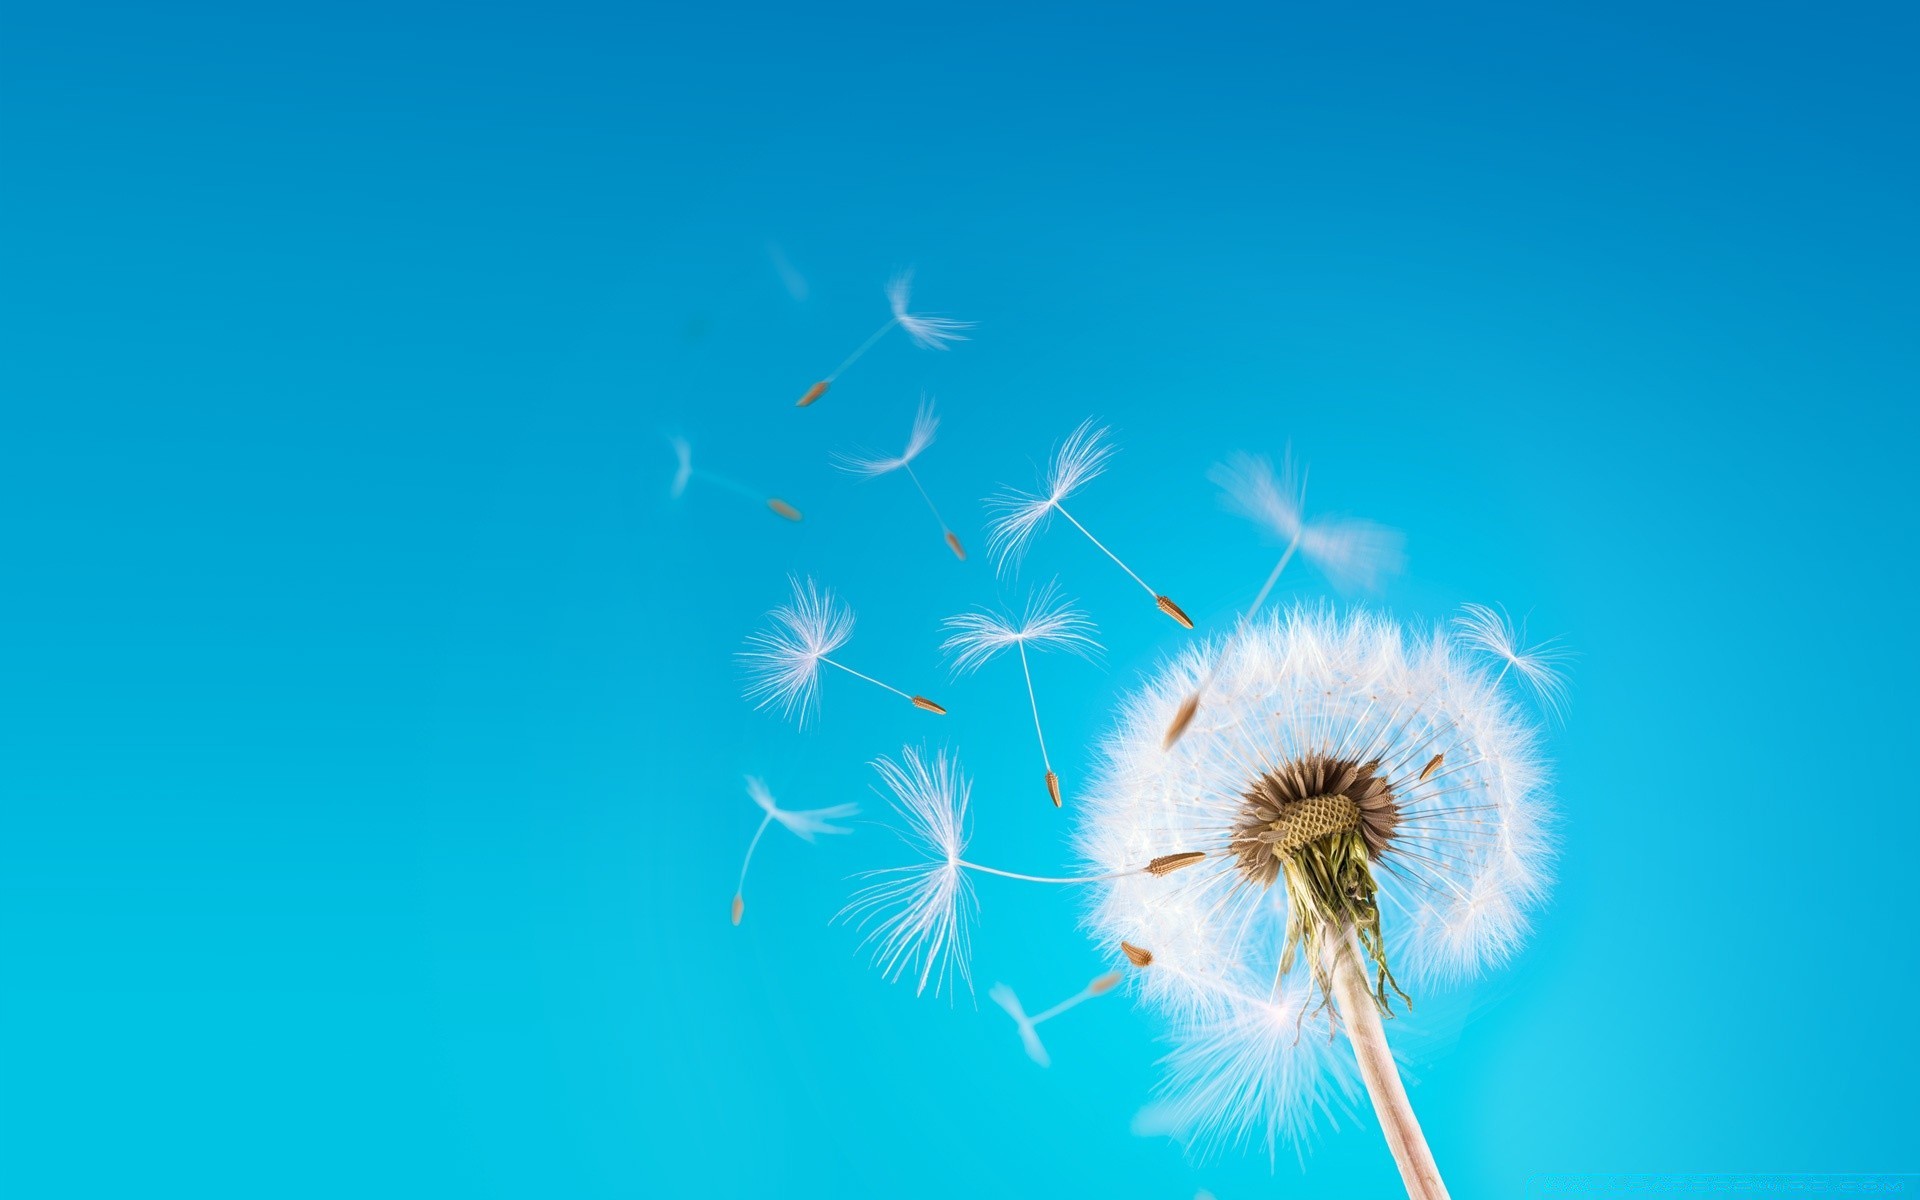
{"x": 783, "y": 508}
{"x": 1433, "y": 764}
{"x": 1053, "y": 788}
{"x": 1167, "y": 864}
{"x": 953, "y": 543}
{"x": 1136, "y": 955}
{"x": 1173, "y": 610}
{"x": 813, "y": 393}
{"x": 1105, "y": 983}
{"x": 1181, "y": 719}
{"x": 930, "y": 706}
{"x": 739, "y": 906}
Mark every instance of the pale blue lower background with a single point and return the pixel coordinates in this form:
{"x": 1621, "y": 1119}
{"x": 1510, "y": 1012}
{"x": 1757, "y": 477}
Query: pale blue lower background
{"x": 370, "y": 746}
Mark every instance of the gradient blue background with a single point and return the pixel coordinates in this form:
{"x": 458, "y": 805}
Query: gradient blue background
{"x": 370, "y": 743}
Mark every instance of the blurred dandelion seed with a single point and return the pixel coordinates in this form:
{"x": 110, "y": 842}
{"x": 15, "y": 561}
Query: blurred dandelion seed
{"x": 927, "y": 332}
{"x": 918, "y": 918}
{"x": 685, "y": 472}
{"x": 1542, "y": 666}
{"x": 803, "y": 824}
{"x": 783, "y": 661}
{"x": 872, "y": 466}
{"x": 1350, "y": 553}
{"x": 1049, "y": 623}
{"x": 1003, "y": 995}
{"x": 1081, "y": 459}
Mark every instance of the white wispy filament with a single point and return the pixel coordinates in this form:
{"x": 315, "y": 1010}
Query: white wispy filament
{"x": 684, "y": 472}
{"x": 928, "y": 332}
{"x": 1004, "y": 996}
{"x": 804, "y": 824}
{"x": 783, "y": 661}
{"x": 1542, "y": 666}
{"x": 872, "y": 466}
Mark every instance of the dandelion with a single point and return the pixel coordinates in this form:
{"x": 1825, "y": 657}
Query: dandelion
{"x": 1371, "y": 804}
{"x": 803, "y": 824}
{"x": 1048, "y": 624}
{"x": 918, "y": 918}
{"x": 1003, "y": 995}
{"x": 1079, "y": 460}
{"x": 684, "y": 472}
{"x": 1350, "y": 553}
{"x": 930, "y": 333}
{"x": 784, "y": 661}
{"x": 872, "y": 466}
{"x": 1541, "y": 666}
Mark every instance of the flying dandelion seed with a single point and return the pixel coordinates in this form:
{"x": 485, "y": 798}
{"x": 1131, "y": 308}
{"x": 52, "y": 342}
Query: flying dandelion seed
{"x": 1048, "y": 624}
{"x": 1350, "y": 553}
{"x": 918, "y": 918}
{"x": 783, "y": 662}
{"x": 1541, "y": 666}
{"x": 872, "y": 466}
{"x": 1003, "y": 995}
{"x": 1372, "y": 807}
{"x": 804, "y": 824}
{"x": 930, "y": 333}
{"x": 684, "y": 472}
{"x": 1080, "y": 460}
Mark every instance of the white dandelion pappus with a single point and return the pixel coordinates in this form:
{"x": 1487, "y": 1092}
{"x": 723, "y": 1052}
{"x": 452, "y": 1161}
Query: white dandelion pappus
{"x": 783, "y": 662}
{"x": 1077, "y": 462}
{"x": 1036, "y": 1050}
{"x": 1351, "y": 553}
{"x": 918, "y": 918}
{"x": 928, "y": 332}
{"x": 804, "y": 824}
{"x": 683, "y": 466}
{"x": 1542, "y": 666}
{"x": 1049, "y": 623}
{"x": 684, "y": 472}
{"x": 1373, "y": 810}
{"x": 872, "y": 466}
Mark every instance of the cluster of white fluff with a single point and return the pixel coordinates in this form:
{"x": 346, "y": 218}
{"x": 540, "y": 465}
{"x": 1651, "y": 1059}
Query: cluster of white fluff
{"x": 1467, "y": 862}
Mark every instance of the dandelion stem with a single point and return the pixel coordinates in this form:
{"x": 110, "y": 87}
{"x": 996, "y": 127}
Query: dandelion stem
{"x": 1061, "y": 509}
{"x": 1038, "y": 732}
{"x": 1360, "y": 1015}
{"x": 864, "y": 347}
{"x": 870, "y": 679}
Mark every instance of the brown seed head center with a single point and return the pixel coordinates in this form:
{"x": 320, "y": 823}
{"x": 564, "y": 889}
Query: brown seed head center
{"x": 1306, "y": 800}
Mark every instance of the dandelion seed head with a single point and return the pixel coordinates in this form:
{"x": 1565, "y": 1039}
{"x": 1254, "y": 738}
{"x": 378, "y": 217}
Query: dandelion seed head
{"x": 783, "y": 660}
{"x": 1542, "y": 667}
{"x": 930, "y": 333}
{"x": 683, "y": 468}
{"x": 804, "y": 824}
{"x": 1048, "y": 623}
{"x": 1351, "y": 553}
{"x": 1314, "y": 725}
{"x": 918, "y": 918}
{"x": 1077, "y": 462}
{"x": 869, "y": 466}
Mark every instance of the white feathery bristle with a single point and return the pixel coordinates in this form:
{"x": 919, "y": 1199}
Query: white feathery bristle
{"x": 1469, "y": 858}
{"x": 1542, "y": 666}
{"x": 804, "y": 823}
{"x": 1077, "y": 462}
{"x": 931, "y": 333}
{"x": 867, "y": 465}
{"x": 783, "y": 662}
{"x": 918, "y": 917}
{"x": 683, "y": 465}
{"x": 1049, "y": 623}
{"x": 1003, "y": 995}
{"x": 1351, "y": 553}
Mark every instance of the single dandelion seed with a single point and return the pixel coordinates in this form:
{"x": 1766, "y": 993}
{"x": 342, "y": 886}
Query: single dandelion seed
{"x": 1136, "y": 955}
{"x": 804, "y": 824}
{"x": 1374, "y": 815}
{"x": 1541, "y": 667}
{"x": 1350, "y": 553}
{"x": 783, "y": 661}
{"x": 1003, "y": 995}
{"x": 1049, "y": 623}
{"x": 918, "y": 918}
{"x": 930, "y": 333}
{"x": 1167, "y": 864}
{"x": 872, "y": 466}
{"x": 1079, "y": 460}
{"x": 685, "y": 472}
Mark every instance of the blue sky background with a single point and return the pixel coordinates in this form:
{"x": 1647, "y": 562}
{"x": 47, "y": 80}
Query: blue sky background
{"x": 370, "y": 739}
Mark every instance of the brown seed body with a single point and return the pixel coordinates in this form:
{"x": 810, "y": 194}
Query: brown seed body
{"x": 813, "y": 393}
{"x": 739, "y": 906}
{"x": 930, "y": 706}
{"x": 1053, "y": 788}
{"x": 1173, "y": 610}
{"x": 1433, "y": 764}
{"x": 953, "y": 544}
{"x": 1181, "y": 720}
{"x": 1167, "y": 864}
{"x": 1105, "y": 983}
{"x": 1136, "y": 955}
{"x": 784, "y": 509}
